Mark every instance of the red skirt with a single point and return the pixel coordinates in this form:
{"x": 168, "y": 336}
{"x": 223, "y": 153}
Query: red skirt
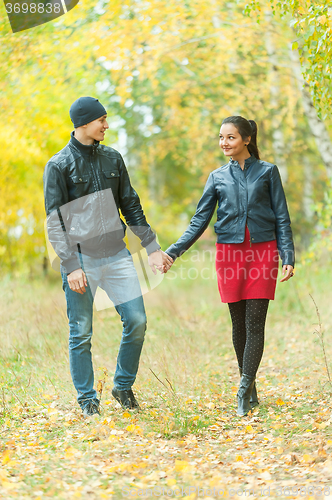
{"x": 247, "y": 272}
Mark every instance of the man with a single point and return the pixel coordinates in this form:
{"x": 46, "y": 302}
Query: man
{"x": 85, "y": 186}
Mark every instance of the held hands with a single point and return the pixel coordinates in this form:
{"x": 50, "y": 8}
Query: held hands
{"x": 289, "y": 270}
{"x": 157, "y": 260}
{"x": 77, "y": 281}
{"x": 161, "y": 261}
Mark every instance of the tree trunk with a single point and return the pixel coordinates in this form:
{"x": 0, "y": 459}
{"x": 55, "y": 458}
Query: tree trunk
{"x": 277, "y": 133}
{"x": 307, "y": 189}
{"x": 317, "y": 126}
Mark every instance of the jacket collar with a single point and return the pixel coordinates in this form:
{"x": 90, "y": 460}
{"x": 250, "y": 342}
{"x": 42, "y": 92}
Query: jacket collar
{"x": 85, "y": 150}
{"x": 249, "y": 161}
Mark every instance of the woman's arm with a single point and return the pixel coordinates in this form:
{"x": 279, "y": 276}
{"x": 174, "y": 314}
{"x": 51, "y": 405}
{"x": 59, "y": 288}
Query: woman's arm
{"x": 283, "y": 224}
{"x": 198, "y": 223}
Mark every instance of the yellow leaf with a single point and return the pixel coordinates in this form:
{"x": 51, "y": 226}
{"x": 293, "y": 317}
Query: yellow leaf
{"x": 181, "y": 465}
{"x": 10, "y": 486}
{"x": 5, "y": 457}
{"x": 3, "y": 474}
{"x": 322, "y": 452}
{"x": 126, "y": 415}
{"x": 154, "y": 476}
{"x": 239, "y": 458}
{"x": 321, "y": 426}
{"x": 47, "y": 396}
{"x": 70, "y": 452}
{"x": 171, "y": 481}
{"x": 249, "y": 429}
{"x": 135, "y": 429}
{"x": 322, "y": 19}
{"x": 280, "y": 402}
{"x": 307, "y": 458}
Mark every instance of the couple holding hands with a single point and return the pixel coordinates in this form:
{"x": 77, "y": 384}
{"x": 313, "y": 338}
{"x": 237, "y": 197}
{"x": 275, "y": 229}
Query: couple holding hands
{"x": 86, "y": 184}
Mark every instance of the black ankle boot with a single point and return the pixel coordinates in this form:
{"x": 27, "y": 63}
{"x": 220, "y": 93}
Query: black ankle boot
{"x": 243, "y": 395}
{"x": 253, "y": 399}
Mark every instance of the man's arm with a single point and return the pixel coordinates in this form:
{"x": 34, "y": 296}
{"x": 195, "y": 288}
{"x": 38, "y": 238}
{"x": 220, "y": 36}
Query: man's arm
{"x": 56, "y": 196}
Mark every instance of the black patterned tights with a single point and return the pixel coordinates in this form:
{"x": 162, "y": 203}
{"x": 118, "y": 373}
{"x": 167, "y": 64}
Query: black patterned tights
{"x": 248, "y": 322}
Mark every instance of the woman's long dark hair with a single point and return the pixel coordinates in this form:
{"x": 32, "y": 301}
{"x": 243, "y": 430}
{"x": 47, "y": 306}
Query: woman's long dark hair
{"x": 246, "y": 128}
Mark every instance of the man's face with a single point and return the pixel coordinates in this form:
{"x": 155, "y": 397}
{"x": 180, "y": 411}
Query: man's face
{"x": 96, "y": 129}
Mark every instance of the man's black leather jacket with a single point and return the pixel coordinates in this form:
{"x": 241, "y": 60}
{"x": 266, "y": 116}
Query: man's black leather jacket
{"x": 84, "y": 188}
{"x": 253, "y": 196}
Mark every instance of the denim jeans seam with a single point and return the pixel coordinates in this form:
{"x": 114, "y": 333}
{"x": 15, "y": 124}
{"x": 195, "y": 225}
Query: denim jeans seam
{"x": 129, "y": 357}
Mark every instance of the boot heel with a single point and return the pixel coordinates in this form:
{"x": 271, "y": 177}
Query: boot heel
{"x": 244, "y": 394}
{"x": 254, "y": 398}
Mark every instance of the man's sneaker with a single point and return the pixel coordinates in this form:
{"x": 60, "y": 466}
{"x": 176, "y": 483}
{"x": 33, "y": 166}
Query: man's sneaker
{"x": 91, "y": 408}
{"x": 126, "y": 399}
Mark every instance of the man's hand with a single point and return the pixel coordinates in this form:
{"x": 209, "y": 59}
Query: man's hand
{"x": 77, "y": 281}
{"x": 161, "y": 261}
{"x": 289, "y": 270}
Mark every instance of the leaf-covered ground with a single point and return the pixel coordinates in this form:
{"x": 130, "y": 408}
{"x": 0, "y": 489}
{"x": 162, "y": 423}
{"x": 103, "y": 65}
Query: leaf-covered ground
{"x": 187, "y": 441}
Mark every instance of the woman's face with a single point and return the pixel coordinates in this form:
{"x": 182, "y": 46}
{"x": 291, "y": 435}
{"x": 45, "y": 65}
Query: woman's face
{"x": 231, "y": 141}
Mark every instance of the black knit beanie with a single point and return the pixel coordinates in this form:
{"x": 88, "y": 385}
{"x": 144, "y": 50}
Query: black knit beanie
{"x": 86, "y": 109}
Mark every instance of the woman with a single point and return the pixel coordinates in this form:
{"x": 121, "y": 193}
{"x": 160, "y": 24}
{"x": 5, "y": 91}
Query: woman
{"x": 252, "y": 226}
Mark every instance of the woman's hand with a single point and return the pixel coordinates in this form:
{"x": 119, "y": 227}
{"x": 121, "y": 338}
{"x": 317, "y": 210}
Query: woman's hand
{"x": 161, "y": 261}
{"x": 289, "y": 270}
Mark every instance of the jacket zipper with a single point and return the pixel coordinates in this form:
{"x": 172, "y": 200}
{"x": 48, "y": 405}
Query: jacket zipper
{"x": 249, "y": 235}
{"x": 95, "y": 176}
{"x": 250, "y": 240}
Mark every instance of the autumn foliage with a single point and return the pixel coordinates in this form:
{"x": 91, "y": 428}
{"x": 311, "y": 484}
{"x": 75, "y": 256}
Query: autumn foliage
{"x": 168, "y": 73}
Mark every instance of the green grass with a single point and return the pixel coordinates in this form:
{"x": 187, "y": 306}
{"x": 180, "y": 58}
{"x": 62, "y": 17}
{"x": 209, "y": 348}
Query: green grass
{"x": 186, "y": 386}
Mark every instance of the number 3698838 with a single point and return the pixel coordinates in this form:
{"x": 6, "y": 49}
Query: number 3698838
{"x": 33, "y": 8}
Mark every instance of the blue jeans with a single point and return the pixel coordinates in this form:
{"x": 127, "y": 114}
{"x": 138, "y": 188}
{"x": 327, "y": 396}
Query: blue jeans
{"x": 117, "y": 276}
